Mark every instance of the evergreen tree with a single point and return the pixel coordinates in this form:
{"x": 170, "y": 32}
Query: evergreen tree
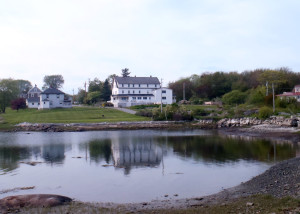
{"x": 125, "y": 72}
{"x": 106, "y": 91}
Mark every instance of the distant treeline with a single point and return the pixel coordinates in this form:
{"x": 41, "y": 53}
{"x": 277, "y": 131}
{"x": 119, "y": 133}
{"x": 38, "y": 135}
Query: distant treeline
{"x": 208, "y": 86}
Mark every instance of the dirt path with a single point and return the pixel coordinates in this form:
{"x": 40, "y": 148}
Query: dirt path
{"x": 125, "y": 110}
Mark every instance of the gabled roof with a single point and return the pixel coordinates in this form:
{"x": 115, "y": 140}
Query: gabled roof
{"x": 137, "y": 80}
{"x": 52, "y": 91}
{"x": 35, "y": 89}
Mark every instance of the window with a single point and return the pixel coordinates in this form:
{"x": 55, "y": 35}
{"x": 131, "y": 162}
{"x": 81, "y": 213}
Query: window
{"x": 38, "y": 103}
{"x": 124, "y": 98}
{"x": 164, "y": 98}
{"x": 139, "y": 92}
{"x": 149, "y": 98}
{"x": 132, "y": 85}
{"x": 133, "y": 91}
{"x": 144, "y": 98}
{"x": 122, "y": 91}
{"x": 47, "y": 96}
{"x": 57, "y": 96}
{"x": 122, "y": 85}
{"x": 163, "y": 91}
{"x": 147, "y": 85}
{"x": 139, "y": 85}
{"x": 139, "y": 98}
{"x": 44, "y": 102}
{"x": 128, "y": 91}
{"x": 134, "y": 98}
{"x": 33, "y": 104}
{"x": 155, "y": 85}
{"x": 32, "y": 95}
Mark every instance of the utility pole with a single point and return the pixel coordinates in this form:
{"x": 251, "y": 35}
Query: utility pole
{"x": 273, "y": 97}
{"x": 161, "y": 81}
{"x": 85, "y": 94}
{"x": 183, "y": 91}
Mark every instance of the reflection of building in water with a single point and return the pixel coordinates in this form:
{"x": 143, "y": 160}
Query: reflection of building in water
{"x": 53, "y": 153}
{"x": 134, "y": 152}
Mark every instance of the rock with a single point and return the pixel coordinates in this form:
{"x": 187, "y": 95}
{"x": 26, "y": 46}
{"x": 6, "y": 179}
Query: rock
{"x": 249, "y": 204}
{"x": 34, "y": 200}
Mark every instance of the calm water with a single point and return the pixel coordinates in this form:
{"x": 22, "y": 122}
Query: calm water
{"x": 132, "y": 166}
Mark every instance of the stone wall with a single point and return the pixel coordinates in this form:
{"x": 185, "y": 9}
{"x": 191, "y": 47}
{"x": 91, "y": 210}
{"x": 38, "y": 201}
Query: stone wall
{"x": 248, "y": 121}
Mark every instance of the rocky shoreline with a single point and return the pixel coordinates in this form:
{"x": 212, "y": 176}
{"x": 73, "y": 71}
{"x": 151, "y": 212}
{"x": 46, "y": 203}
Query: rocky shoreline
{"x": 277, "y": 121}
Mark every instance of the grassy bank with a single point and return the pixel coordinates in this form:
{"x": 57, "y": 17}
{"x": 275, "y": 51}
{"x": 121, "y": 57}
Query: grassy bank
{"x": 73, "y": 115}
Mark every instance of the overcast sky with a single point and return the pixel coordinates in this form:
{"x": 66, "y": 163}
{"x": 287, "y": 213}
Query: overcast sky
{"x": 168, "y": 39}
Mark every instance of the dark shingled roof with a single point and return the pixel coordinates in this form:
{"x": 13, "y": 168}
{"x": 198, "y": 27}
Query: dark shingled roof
{"x": 137, "y": 80}
{"x": 34, "y": 90}
{"x": 52, "y": 91}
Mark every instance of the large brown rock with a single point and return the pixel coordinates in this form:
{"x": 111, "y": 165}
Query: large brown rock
{"x": 34, "y": 200}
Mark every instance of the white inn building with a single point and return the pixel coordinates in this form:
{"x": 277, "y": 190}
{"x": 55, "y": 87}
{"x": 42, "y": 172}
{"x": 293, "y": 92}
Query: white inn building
{"x": 130, "y": 91}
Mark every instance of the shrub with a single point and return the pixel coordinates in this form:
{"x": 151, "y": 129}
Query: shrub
{"x": 265, "y": 112}
{"x": 144, "y": 113}
{"x": 234, "y": 97}
{"x": 19, "y": 103}
{"x": 145, "y": 106}
{"x": 282, "y": 103}
{"x": 257, "y": 95}
{"x": 200, "y": 112}
{"x": 269, "y": 100}
{"x": 107, "y": 104}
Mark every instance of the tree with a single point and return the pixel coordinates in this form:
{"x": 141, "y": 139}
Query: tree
{"x": 178, "y": 91}
{"x": 125, "y": 72}
{"x": 106, "y": 91}
{"x": 24, "y": 86}
{"x": 234, "y": 97}
{"x": 111, "y": 78}
{"x": 95, "y": 85}
{"x": 9, "y": 90}
{"x": 19, "y": 103}
{"x": 93, "y": 97}
{"x": 273, "y": 77}
{"x": 53, "y": 81}
{"x": 81, "y": 96}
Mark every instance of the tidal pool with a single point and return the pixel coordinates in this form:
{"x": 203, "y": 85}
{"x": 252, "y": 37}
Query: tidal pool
{"x": 132, "y": 166}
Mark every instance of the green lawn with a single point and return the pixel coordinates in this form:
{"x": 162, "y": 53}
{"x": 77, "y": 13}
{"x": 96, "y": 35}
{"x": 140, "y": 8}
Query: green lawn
{"x": 73, "y": 115}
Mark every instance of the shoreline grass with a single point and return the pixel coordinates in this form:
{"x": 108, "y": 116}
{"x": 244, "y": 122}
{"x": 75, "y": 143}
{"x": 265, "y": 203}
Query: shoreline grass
{"x": 72, "y": 115}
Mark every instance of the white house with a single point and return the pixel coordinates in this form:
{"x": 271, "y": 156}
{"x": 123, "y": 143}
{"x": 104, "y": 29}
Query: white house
{"x": 54, "y": 98}
{"x": 130, "y": 91}
{"x": 33, "y": 97}
{"x": 163, "y": 95}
